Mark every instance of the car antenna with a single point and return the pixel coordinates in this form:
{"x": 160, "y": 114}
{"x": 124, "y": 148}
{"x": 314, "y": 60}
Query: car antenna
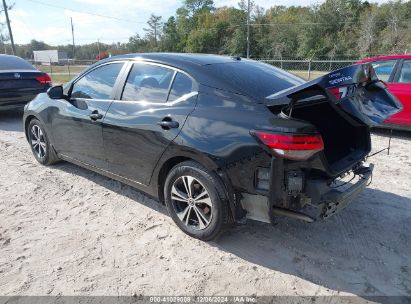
{"x": 382, "y": 150}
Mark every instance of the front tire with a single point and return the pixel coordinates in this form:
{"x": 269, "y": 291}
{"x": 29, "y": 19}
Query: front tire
{"x": 40, "y": 144}
{"x": 196, "y": 201}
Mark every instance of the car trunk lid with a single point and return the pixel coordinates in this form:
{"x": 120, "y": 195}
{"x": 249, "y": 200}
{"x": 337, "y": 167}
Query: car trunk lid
{"x": 341, "y": 106}
{"x": 23, "y": 80}
{"x": 355, "y": 89}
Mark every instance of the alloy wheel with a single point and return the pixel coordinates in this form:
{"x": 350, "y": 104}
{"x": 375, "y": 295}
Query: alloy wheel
{"x": 191, "y": 202}
{"x": 38, "y": 142}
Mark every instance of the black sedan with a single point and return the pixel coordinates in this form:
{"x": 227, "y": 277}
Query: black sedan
{"x": 20, "y": 82}
{"x": 218, "y": 139}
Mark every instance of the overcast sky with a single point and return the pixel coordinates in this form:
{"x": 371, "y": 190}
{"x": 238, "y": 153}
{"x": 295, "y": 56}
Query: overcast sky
{"x": 49, "y": 21}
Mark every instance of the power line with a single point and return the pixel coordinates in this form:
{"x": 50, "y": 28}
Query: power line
{"x": 86, "y": 12}
{"x": 234, "y": 25}
{"x": 27, "y": 27}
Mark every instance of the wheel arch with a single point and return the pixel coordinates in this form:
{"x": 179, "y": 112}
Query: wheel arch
{"x": 28, "y": 117}
{"x": 27, "y": 121}
{"x": 163, "y": 172}
{"x": 168, "y": 161}
{"x": 172, "y": 157}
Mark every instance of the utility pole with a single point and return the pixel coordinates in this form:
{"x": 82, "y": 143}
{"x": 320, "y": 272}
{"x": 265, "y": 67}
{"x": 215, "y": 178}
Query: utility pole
{"x": 248, "y": 28}
{"x": 72, "y": 34}
{"x": 98, "y": 46}
{"x": 8, "y": 25}
{"x": 155, "y": 34}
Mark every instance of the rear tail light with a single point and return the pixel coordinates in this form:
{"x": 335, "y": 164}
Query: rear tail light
{"x": 342, "y": 91}
{"x": 44, "y": 79}
{"x": 295, "y": 146}
{"x": 338, "y": 92}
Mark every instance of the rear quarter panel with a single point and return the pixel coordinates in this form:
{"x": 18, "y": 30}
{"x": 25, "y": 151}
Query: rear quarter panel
{"x": 217, "y": 134}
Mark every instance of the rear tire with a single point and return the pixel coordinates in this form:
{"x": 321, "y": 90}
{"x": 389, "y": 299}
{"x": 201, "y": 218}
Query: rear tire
{"x": 196, "y": 201}
{"x": 40, "y": 144}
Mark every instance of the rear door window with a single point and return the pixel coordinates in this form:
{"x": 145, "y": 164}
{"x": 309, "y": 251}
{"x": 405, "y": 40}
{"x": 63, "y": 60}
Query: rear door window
{"x": 97, "y": 84}
{"x": 254, "y": 79}
{"x": 147, "y": 82}
{"x": 384, "y": 68}
{"x": 182, "y": 85}
{"x": 405, "y": 74}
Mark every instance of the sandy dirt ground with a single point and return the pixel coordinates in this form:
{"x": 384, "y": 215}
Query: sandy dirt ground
{"x": 68, "y": 231}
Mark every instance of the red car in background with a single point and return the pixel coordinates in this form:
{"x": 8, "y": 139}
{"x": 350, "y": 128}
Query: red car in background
{"x": 395, "y": 71}
{"x": 102, "y": 55}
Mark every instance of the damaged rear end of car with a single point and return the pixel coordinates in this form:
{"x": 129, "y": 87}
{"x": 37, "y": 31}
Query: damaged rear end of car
{"x": 319, "y": 145}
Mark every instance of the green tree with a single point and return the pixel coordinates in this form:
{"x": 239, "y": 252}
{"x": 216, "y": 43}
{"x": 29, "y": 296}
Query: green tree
{"x": 230, "y": 25}
{"x": 201, "y": 41}
{"x": 136, "y": 44}
{"x": 154, "y": 29}
{"x": 333, "y": 29}
{"x": 171, "y": 37}
{"x": 395, "y": 37}
{"x": 194, "y": 7}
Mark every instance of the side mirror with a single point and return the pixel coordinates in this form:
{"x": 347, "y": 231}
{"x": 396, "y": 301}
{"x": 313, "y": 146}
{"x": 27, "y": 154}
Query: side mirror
{"x": 56, "y": 92}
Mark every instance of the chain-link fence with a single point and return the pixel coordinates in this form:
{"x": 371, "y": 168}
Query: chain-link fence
{"x": 305, "y": 68}
{"x": 63, "y": 62}
{"x": 308, "y": 68}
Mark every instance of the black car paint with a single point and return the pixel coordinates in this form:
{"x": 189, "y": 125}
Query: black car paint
{"x": 144, "y": 147}
{"x": 214, "y": 129}
{"x": 18, "y": 84}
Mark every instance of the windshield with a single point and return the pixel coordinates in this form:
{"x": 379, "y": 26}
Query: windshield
{"x": 252, "y": 78}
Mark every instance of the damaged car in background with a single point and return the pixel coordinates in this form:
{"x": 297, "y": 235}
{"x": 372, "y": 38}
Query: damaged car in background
{"x": 217, "y": 139}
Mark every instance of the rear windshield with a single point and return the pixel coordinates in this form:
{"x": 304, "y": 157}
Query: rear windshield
{"x": 14, "y": 63}
{"x": 254, "y": 79}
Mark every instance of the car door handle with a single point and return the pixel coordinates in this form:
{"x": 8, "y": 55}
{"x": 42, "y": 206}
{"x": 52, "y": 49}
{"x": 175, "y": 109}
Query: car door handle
{"x": 96, "y": 115}
{"x": 167, "y": 123}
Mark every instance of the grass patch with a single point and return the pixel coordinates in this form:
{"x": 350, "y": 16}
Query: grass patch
{"x": 72, "y": 69}
{"x": 60, "y": 79}
{"x": 304, "y": 74}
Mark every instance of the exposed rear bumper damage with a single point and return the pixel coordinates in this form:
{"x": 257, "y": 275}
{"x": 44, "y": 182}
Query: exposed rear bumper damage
{"x": 338, "y": 110}
{"x": 330, "y": 200}
{"x": 315, "y": 199}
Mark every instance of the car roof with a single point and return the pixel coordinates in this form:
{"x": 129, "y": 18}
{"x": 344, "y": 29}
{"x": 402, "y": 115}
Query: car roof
{"x": 179, "y": 58}
{"x": 386, "y": 57}
{"x": 205, "y": 69}
{"x": 193, "y": 64}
